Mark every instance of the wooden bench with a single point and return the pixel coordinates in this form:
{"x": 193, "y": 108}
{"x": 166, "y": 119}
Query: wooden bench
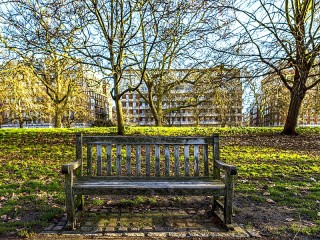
{"x": 148, "y": 165}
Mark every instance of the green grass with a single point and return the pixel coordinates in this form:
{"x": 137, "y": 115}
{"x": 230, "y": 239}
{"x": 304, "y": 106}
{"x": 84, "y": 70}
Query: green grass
{"x": 32, "y": 190}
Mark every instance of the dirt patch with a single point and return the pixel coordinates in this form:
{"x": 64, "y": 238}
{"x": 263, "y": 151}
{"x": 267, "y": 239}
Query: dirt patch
{"x": 302, "y": 143}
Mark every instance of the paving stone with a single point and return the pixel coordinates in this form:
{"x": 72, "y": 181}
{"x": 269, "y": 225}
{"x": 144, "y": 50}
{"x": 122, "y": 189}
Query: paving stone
{"x": 97, "y": 229}
{"x": 62, "y": 223}
{"x": 86, "y": 229}
{"x": 157, "y": 234}
{"x": 57, "y": 228}
{"x": 199, "y": 234}
{"x": 134, "y": 229}
{"x": 177, "y": 234}
{"x": 113, "y": 234}
{"x": 49, "y": 227}
{"x": 109, "y": 229}
{"x": 134, "y": 234}
{"x": 122, "y": 229}
{"x": 88, "y": 223}
{"x": 147, "y": 228}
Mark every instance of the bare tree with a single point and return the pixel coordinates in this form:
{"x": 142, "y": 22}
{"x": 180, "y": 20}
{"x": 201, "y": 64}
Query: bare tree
{"x": 180, "y": 57}
{"x": 109, "y": 36}
{"x": 279, "y": 36}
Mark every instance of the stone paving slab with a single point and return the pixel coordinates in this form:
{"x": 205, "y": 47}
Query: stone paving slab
{"x": 155, "y": 223}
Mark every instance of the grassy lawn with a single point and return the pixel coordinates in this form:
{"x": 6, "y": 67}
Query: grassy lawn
{"x": 274, "y": 172}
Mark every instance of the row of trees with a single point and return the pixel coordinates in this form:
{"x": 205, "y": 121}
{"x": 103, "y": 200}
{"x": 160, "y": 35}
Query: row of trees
{"x": 113, "y": 36}
{"x": 23, "y": 97}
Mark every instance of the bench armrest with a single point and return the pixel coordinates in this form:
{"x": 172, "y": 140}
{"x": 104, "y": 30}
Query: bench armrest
{"x": 232, "y": 170}
{"x": 68, "y": 168}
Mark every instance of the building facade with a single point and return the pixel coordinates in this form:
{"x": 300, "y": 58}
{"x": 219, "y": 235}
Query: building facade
{"x": 26, "y": 103}
{"x": 223, "y": 107}
{"x": 274, "y": 102}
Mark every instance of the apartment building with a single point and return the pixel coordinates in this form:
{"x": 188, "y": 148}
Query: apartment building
{"x": 274, "y": 103}
{"x": 221, "y": 106}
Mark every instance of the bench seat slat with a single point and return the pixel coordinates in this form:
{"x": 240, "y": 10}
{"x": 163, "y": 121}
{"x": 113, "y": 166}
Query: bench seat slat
{"x": 161, "y": 187}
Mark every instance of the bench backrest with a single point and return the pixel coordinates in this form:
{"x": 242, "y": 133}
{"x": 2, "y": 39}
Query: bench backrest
{"x": 149, "y": 156}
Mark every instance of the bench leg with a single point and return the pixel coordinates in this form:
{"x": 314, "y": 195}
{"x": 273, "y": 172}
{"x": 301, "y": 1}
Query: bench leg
{"x": 228, "y": 200}
{"x": 70, "y": 208}
{"x": 80, "y": 202}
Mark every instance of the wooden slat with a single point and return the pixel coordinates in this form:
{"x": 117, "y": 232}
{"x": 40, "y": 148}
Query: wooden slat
{"x": 186, "y": 161}
{"x": 138, "y": 160}
{"x": 196, "y": 160}
{"x": 99, "y": 160}
{"x": 157, "y": 160}
{"x": 167, "y": 160}
{"x": 148, "y": 160}
{"x": 89, "y": 159}
{"x": 145, "y": 140}
{"x": 128, "y": 160}
{"x": 79, "y": 155}
{"x": 205, "y": 161}
{"x": 176, "y": 161}
{"x": 216, "y": 157}
{"x": 149, "y": 187}
{"x": 118, "y": 160}
{"x": 109, "y": 160}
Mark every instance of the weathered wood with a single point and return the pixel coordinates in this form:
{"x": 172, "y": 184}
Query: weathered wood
{"x": 205, "y": 161}
{"x": 176, "y": 161}
{"x": 186, "y": 161}
{"x": 229, "y": 182}
{"x": 160, "y": 140}
{"x": 138, "y": 160}
{"x": 109, "y": 160}
{"x": 216, "y": 157}
{"x": 196, "y": 160}
{"x": 99, "y": 160}
{"x": 128, "y": 160}
{"x": 68, "y": 168}
{"x": 157, "y": 160}
{"x": 79, "y": 153}
{"x": 159, "y": 187}
{"x": 167, "y": 160}
{"x": 70, "y": 208}
{"x": 187, "y": 184}
{"x": 118, "y": 160}
{"x": 89, "y": 159}
{"x": 148, "y": 160}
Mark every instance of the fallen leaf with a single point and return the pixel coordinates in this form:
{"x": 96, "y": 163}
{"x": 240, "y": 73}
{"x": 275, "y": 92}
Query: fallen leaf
{"x": 269, "y": 200}
{"x": 266, "y": 194}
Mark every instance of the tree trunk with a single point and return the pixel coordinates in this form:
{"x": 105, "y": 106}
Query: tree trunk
{"x": 293, "y": 114}
{"x": 120, "y": 120}
{"x": 21, "y": 123}
{"x": 57, "y": 117}
{"x": 158, "y": 116}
